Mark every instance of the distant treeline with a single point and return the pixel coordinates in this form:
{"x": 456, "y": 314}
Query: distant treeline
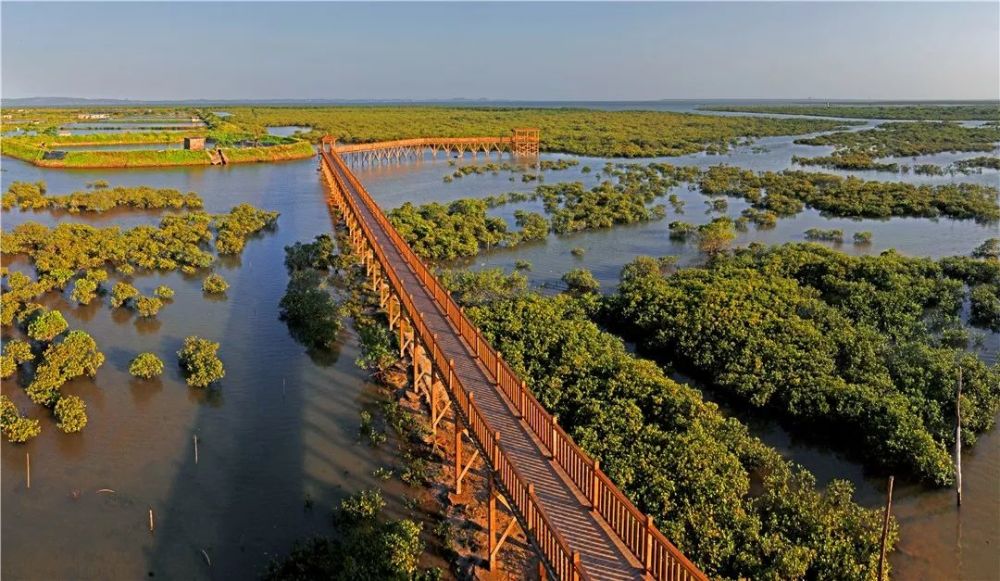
{"x": 969, "y": 112}
{"x": 578, "y": 131}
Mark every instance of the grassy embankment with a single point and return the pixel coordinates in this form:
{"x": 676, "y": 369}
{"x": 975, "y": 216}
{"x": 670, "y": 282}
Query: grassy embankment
{"x": 33, "y": 149}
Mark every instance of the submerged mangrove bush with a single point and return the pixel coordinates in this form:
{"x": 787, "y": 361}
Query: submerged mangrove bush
{"x": 312, "y": 314}
{"x": 146, "y": 366}
{"x": 198, "y": 359}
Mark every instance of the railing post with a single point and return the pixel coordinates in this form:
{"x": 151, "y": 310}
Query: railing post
{"x": 576, "y": 565}
{"x": 497, "y": 374}
{"x": 531, "y": 504}
{"x": 552, "y": 444}
{"x": 522, "y": 400}
{"x": 451, "y": 375}
{"x": 469, "y": 411}
{"x": 647, "y": 557}
{"x": 594, "y": 496}
{"x": 495, "y": 459}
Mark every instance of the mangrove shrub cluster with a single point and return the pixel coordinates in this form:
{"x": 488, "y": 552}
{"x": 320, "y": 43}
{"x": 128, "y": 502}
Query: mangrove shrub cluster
{"x": 179, "y": 242}
{"x": 463, "y": 227}
{"x": 311, "y": 312}
{"x": 785, "y": 193}
{"x": 198, "y": 359}
{"x": 857, "y": 346}
{"x": 366, "y": 546}
{"x": 31, "y": 196}
{"x": 910, "y": 139}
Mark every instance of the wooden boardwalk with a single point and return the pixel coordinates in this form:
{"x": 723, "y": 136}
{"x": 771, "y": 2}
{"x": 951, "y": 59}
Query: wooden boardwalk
{"x": 582, "y": 542}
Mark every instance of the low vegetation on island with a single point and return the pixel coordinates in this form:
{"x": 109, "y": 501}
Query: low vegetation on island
{"x": 906, "y": 140}
{"x": 786, "y": 192}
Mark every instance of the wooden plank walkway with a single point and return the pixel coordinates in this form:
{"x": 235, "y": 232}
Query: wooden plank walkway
{"x": 567, "y": 500}
{"x": 600, "y": 553}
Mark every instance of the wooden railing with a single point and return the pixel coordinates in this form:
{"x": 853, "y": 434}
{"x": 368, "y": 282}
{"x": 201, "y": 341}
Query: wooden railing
{"x": 660, "y": 558}
{"x": 420, "y": 142}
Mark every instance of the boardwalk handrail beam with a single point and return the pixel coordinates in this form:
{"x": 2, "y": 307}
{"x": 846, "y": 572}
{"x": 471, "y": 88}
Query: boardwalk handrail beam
{"x": 661, "y": 559}
{"x": 420, "y": 142}
{"x": 521, "y": 142}
{"x": 533, "y": 516}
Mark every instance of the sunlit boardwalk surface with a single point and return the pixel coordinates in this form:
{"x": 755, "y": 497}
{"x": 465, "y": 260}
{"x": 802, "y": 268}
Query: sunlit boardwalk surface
{"x": 578, "y": 520}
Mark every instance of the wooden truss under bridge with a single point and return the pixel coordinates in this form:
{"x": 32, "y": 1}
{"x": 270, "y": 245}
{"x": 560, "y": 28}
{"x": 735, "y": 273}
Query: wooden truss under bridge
{"x": 520, "y": 144}
{"x": 575, "y": 517}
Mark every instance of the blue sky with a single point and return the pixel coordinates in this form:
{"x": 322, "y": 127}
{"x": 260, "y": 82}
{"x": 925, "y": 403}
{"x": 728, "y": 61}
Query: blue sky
{"x": 590, "y": 51}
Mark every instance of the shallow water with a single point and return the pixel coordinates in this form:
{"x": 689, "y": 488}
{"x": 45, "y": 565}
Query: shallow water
{"x": 283, "y": 425}
{"x": 287, "y": 130}
{"x": 280, "y": 427}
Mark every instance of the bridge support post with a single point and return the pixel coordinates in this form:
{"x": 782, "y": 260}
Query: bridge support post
{"x": 406, "y": 336}
{"x": 393, "y": 312}
{"x": 419, "y": 363}
{"x": 496, "y": 542}
{"x": 458, "y": 454}
{"x": 439, "y": 406}
{"x": 492, "y": 526}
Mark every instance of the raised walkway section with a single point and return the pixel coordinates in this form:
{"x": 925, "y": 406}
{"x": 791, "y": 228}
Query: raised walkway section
{"x": 578, "y": 520}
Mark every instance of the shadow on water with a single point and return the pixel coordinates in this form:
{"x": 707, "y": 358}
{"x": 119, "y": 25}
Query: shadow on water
{"x": 227, "y": 514}
{"x": 279, "y": 452}
{"x": 279, "y": 428}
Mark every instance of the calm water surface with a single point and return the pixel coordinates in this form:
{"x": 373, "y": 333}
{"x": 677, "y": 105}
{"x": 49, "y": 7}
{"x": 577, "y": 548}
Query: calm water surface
{"x": 282, "y": 425}
{"x": 287, "y": 130}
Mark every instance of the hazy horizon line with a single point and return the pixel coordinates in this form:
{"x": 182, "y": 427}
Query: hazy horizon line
{"x": 494, "y": 99}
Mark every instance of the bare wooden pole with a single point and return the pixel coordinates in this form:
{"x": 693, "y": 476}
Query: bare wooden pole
{"x": 151, "y": 524}
{"x": 27, "y": 464}
{"x": 958, "y": 440}
{"x": 885, "y": 531}
{"x": 195, "y": 448}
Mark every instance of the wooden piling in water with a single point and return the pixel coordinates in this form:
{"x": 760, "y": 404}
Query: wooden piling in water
{"x": 27, "y": 464}
{"x": 196, "y": 449}
{"x": 885, "y": 531}
{"x": 151, "y": 524}
{"x": 958, "y": 440}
